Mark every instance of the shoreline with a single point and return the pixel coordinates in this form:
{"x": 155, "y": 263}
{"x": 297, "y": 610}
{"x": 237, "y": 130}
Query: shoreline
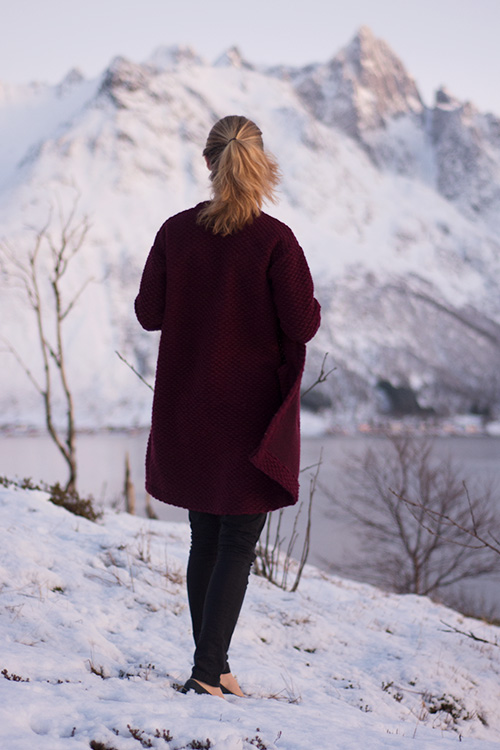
{"x": 320, "y": 425}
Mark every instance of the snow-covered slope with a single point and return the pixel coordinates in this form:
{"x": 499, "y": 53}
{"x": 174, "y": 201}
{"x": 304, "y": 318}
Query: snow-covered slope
{"x": 395, "y": 203}
{"x": 96, "y": 634}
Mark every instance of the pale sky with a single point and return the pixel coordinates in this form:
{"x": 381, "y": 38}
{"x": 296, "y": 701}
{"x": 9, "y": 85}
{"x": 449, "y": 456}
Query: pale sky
{"x": 451, "y": 42}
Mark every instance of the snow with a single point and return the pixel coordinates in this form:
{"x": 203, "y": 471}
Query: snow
{"x": 94, "y": 615}
{"x": 371, "y": 221}
{"x": 31, "y": 114}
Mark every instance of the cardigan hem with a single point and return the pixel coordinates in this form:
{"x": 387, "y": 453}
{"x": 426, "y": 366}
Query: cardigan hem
{"x": 254, "y": 506}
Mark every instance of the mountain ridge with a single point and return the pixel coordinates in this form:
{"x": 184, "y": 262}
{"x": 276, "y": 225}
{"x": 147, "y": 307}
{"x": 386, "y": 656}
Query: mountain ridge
{"x": 396, "y": 206}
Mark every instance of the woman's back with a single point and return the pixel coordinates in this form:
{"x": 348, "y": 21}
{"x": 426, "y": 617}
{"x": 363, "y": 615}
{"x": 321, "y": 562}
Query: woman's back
{"x": 235, "y": 310}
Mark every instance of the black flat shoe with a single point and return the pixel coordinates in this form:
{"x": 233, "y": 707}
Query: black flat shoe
{"x": 194, "y": 686}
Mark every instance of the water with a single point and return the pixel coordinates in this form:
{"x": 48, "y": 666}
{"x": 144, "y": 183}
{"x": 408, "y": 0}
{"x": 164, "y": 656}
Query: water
{"x": 101, "y": 462}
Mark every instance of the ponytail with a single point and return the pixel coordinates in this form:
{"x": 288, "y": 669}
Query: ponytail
{"x": 243, "y": 175}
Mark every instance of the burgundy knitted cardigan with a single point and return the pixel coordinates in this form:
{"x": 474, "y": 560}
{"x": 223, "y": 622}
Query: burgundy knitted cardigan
{"x": 235, "y": 313}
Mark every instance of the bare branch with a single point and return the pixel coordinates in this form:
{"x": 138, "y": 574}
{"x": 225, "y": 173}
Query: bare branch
{"x": 21, "y": 362}
{"x": 313, "y": 466}
{"x": 134, "y": 370}
{"x": 269, "y": 560}
{"x": 469, "y": 634}
{"x": 70, "y": 306}
{"x": 323, "y": 375}
{"x": 307, "y": 538}
{"x": 471, "y": 509}
{"x": 435, "y": 515}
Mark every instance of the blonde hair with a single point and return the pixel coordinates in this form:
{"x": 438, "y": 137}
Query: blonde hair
{"x": 243, "y": 174}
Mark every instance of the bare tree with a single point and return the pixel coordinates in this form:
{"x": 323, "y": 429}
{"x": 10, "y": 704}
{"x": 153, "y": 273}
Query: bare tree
{"x": 271, "y": 560}
{"x": 41, "y": 274}
{"x": 411, "y": 507}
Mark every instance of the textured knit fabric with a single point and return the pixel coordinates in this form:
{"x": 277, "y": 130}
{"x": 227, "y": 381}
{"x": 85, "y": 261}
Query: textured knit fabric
{"x": 235, "y": 313}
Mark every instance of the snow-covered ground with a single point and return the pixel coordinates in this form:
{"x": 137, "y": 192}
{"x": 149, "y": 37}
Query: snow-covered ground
{"x": 96, "y": 635}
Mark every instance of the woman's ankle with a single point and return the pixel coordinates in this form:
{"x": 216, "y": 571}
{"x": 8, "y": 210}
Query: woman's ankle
{"x": 230, "y": 683}
{"x": 212, "y": 689}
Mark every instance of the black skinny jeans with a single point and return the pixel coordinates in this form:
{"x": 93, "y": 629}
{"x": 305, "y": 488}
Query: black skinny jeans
{"x": 222, "y": 552}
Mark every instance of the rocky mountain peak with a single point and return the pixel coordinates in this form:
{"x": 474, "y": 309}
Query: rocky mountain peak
{"x": 232, "y": 57}
{"x": 168, "y": 57}
{"x": 445, "y": 100}
{"x": 70, "y": 80}
{"x": 381, "y": 85}
{"x": 362, "y": 87}
{"x": 362, "y": 47}
{"x": 123, "y": 76}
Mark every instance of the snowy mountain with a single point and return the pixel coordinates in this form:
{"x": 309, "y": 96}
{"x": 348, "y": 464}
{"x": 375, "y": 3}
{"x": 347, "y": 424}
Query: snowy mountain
{"x": 395, "y": 202}
{"x": 96, "y": 635}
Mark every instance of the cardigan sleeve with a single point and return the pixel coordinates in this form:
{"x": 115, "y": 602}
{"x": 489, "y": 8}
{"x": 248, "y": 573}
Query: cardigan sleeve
{"x": 150, "y": 302}
{"x": 293, "y": 291}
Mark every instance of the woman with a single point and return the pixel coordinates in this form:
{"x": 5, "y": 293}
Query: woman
{"x": 231, "y": 292}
